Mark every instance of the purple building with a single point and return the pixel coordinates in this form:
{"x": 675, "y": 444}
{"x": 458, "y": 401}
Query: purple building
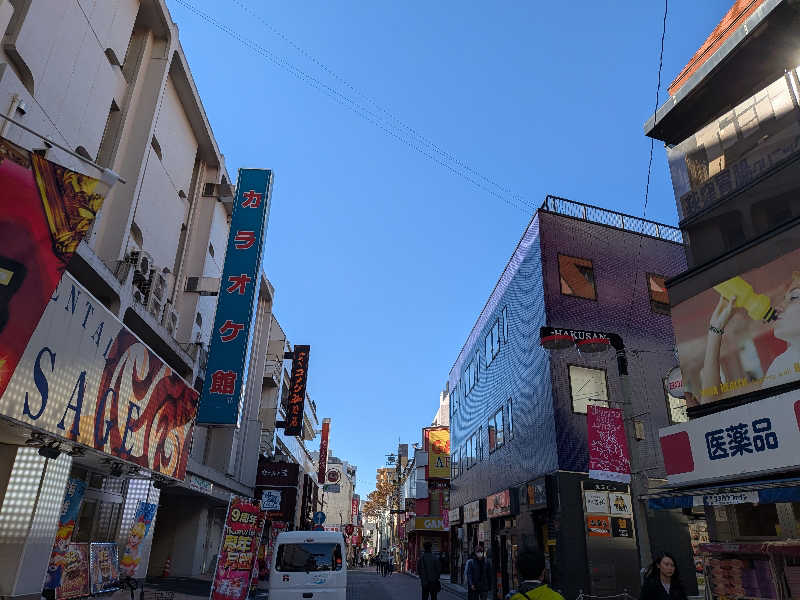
{"x": 518, "y": 425}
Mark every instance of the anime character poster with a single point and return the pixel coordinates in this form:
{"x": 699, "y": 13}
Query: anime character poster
{"x": 73, "y": 496}
{"x": 104, "y": 568}
{"x": 75, "y": 578}
{"x": 142, "y": 521}
{"x": 45, "y": 212}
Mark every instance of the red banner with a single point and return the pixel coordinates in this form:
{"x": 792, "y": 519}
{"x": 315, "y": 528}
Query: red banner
{"x": 354, "y": 512}
{"x": 608, "y": 447}
{"x": 323, "y": 451}
{"x": 243, "y": 526}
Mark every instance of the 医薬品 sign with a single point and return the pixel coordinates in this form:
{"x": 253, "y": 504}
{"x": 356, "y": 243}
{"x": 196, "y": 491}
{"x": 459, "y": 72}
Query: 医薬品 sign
{"x": 238, "y": 291}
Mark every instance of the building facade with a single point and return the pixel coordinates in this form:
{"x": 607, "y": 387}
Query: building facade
{"x": 731, "y": 130}
{"x": 518, "y": 413}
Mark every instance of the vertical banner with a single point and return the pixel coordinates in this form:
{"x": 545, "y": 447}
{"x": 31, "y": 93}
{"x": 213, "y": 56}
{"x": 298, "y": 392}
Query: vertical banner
{"x": 297, "y": 391}
{"x": 238, "y": 291}
{"x": 45, "y": 211}
{"x": 608, "y": 448}
{"x": 142, "y": 520}
{"x": 66, "y": 525}
{"x": 354, "y": 512}
{"x": 323, "y": 451}
{"x": 238, "y": 550}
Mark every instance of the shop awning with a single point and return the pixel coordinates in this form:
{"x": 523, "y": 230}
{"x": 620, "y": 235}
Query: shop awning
{"x": 763, "y": 492}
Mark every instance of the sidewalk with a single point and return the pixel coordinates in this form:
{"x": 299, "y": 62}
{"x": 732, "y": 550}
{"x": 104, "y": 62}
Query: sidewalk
{"x": 453, "y": 588}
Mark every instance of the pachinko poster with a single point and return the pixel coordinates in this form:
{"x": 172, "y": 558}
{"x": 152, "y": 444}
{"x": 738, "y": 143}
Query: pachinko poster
{"x": 73, "y": 496}
{"x": 75, "y": 575}
{"x": 104, "y": 567}
{"x": 142, "y": 521}
{"x": 243, "y": 527}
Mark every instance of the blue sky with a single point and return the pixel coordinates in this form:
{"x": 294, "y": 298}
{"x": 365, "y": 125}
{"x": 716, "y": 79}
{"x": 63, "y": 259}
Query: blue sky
{"x": 381, "y": 258}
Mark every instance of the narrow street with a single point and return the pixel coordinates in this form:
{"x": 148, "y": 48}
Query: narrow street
{"x": 366, "y": 584}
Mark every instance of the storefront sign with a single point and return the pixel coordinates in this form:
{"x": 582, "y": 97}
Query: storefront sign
{"x": 756, "y": 438}
{"x": 622, "y": 527}
{"x": 277, "y": 503}
{"x": 498, "y": 505}
{"x": 333, "y": 476}
{"x": 323, "y": 451}
{"x": 277, "y": 474}
{"x": 598, "y": 526}
{"x": 752, "y": 350}
{"x": 86, "y": 378}
{"x": 237, "y": 550}
{"x": 142, "y": 520}
{"x": 45, "y": 211}
{"x": 608, "y": 449}
{"x": 104, "y": 568}
{"x": 454, "y": 516}
{"x": 297, "y": 391}
{"x": 239, "y": 287}
{"x": 429, "y": 524}
{"x": 620, "y": 503}
{"x": 536, "y": 493}
{"x": 75, "y": 576}
{"x": 731, "y": 498}
{"x": 439, "y": 484}
{"x": 596, "y": 502}
{"x": 472, "y": 512}
{"x": 438, "y": 466}
{"x": 200, "y": 484}
{"x": 70, "y": 508}
{"x": 436, "y": 439}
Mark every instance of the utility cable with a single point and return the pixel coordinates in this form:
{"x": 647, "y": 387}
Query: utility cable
{"x": 517, "y": 202}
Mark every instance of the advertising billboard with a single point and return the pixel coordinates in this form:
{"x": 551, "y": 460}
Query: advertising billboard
{"x": 608, "y": 448}
{"x": 86, "y": 378}
{"x": 237, "y": 554}
{"x": 297, "y": 391}
{"x": 738, "y": 336}
{"x": 437, "y": 444}
{"x": 241, "y": 278}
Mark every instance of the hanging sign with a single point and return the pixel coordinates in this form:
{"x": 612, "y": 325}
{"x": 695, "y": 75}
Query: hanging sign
{"x": 237, "y": 551}
{"x": 142, "y": 520}
{"x": 45, "y": 212}
{"x": 297, "y": 391}
{"x": 241, "y": 278}
{"x": 323, "y": 451}
{"x": 622, "y": 527}
{"x": 66, "y": 525}
{"x": 608, "y": 448}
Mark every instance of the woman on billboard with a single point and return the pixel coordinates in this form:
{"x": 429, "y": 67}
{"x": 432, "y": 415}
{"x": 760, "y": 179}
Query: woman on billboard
{"x": 785, "y": 318}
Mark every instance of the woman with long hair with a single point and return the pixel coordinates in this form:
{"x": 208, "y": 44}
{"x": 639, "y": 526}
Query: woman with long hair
{"x": 662, "y": 581}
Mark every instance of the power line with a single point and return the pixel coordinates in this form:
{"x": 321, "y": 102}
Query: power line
{"x": 517, "y": 202}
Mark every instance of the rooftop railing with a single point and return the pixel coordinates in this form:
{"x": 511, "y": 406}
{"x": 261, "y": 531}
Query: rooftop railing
{"x": 603, "y": 216}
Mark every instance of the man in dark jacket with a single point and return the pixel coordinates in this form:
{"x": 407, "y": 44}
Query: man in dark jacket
{"x": 429, "y": 569}
{"x": 478, "y": 575}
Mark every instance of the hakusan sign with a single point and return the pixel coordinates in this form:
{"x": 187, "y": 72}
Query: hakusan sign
{"x": 86, "y": 378}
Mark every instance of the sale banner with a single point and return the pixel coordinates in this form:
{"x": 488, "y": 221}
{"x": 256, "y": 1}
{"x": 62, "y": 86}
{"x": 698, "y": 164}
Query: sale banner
{"x": 243, "y": 526}
{"x": 142, "y": 520}
{"x": 75, "y": 577}
{"x": 608, "y": 448}
{"x": 66, "y": 525}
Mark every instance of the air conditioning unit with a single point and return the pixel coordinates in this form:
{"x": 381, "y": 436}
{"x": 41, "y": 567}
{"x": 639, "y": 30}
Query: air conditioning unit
{"x": 170, "y": 320}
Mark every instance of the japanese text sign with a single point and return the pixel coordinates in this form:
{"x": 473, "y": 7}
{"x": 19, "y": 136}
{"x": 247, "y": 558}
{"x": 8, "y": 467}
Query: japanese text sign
{"x": 297, "y": 391}
{"x": 755, "y": 438}
{"x": 238, "y": 291}
{"x": 323, "y": 450}
{"x": 86, "y": 378}
{"x": 499, "y": 504}
{"x": 75, "y": 582}
{"x": 608, "y": 449}
{"x": 276, "y": 474}
{"x": 237, "y": 553}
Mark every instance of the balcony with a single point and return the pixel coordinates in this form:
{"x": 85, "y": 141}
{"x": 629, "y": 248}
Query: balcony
{"x": 272, "y": 372}
{"x": 610, "y": 218}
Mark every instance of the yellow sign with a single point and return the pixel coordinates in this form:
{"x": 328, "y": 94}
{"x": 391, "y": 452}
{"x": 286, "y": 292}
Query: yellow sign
{"x": 438, "y": 439}
{"x": 429, "y": 524}
{"x": 438, "y": 466}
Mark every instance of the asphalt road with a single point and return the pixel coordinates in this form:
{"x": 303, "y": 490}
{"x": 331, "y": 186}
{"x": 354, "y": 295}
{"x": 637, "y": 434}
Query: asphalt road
{"x": 366, "y": 584}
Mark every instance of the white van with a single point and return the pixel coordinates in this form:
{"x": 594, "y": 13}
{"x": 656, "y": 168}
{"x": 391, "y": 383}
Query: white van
{"x": 308, "y": 564}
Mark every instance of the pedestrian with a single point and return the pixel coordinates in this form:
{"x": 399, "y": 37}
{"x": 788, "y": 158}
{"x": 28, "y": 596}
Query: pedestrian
{"x": 478, "y": 574}
{"x": 662, "y": 581}
{"x": 390, "y": 565}
{"x": 429, "y": 569}
{"x": 531, "y": 568}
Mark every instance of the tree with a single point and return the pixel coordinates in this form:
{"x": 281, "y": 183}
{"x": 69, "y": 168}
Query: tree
{"x": 376, "y": 499}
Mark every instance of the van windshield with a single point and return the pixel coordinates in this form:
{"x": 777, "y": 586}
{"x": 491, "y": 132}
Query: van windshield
{"x": 309, "y": 557}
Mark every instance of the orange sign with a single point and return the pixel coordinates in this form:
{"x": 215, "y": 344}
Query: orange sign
{"x": 598, "y": 526}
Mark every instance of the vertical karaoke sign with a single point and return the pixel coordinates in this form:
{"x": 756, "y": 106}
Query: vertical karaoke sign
{"x": 238, "y": 291}
{"x": 297, "y": 391}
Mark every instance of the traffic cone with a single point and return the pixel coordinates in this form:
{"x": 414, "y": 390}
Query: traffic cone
{"x": 167, "y": 567}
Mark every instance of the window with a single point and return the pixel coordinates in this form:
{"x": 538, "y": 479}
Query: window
{"x": 510, "y": 422}
{"x": 297, "y": 558}
{"x": 577, "y": 277}
{"x": 454, "y": 465}
{"x": 659, "y": 299}
{"x": 676, "y": 408}
{"x": 211, "y": 250}
{"x": 496, "y": 430}
{"x": 505, "y": 324}
{"x": 492, "y": 342}
{"x": 472, "y": 373}
{"x": 587, "y": 386}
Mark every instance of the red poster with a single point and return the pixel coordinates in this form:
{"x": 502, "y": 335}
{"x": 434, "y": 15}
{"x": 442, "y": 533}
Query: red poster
{"x": 608, "y": 447}
{"x": 45, "y": 211}
{"x": 323, "y": 451}
{"x": 243, "y": 526}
